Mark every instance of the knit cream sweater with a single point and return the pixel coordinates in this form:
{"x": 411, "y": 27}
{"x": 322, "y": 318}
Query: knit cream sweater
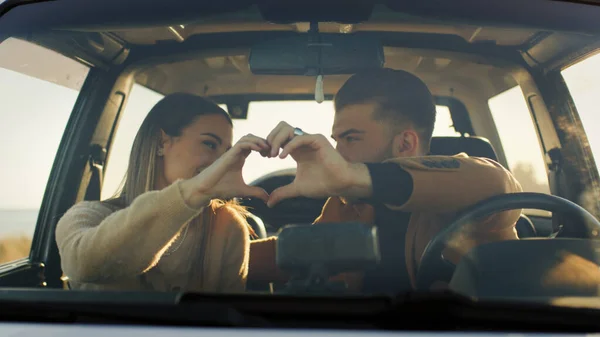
{"x": 102, "y": 247}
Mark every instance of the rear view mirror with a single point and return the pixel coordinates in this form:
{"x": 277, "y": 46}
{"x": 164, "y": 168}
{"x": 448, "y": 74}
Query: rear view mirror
{"x": 316, "y": 54}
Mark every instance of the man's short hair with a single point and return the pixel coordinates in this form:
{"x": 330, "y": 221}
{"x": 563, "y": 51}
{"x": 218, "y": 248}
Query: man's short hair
{"x": 401, "y": 97}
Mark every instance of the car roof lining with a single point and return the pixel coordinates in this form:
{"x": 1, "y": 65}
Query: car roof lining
{"x": 451, "y": 50}
{"x": 445, "y": 50}
{"x": 110, "y": 15}
{"x": 139, "y": 23}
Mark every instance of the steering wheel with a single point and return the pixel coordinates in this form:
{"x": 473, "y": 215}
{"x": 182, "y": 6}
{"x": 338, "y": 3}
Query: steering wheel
{"x": 434, "y": 267}
{"x": 294, "y": 210}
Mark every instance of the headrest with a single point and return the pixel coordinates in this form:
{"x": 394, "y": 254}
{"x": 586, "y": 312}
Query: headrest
{"x": 472, "y": 146}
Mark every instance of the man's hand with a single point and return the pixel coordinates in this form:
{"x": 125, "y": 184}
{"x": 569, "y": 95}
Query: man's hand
{"x": 280, "y": 136}
{"x": 321, "y": 170}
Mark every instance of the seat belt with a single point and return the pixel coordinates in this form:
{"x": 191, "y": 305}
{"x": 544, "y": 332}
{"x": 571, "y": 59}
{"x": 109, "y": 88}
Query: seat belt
{"x": 96, "y": 161}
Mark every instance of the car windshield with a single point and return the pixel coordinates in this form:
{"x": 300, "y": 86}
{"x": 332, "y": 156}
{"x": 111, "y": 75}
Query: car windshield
{"x": 263, "y": 116}
{"x": 452, "y": 152}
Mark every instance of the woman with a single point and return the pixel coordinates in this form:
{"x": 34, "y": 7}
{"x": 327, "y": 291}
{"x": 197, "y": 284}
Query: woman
{"x": 168, "y": 230}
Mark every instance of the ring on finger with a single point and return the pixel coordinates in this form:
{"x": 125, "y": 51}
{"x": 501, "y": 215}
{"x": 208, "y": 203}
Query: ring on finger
{"x": 298, "y": 132}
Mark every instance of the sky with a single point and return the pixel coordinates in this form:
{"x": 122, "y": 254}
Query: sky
{"x": 35, "y": 112}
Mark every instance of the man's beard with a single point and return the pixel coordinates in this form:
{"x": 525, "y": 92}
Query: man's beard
{"x": 386, "y": 153}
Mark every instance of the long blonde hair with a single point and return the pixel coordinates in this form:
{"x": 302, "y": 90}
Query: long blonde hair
{"x": 171, "y": 114}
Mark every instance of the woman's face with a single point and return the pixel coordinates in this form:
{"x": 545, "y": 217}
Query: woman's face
{"x": 198, "y": 146}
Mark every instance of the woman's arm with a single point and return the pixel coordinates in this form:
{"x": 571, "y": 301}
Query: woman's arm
{"x": 97, "y": 245}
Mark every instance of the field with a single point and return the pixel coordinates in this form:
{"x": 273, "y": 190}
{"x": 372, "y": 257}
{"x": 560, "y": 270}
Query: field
{"x": 14, "y": 248}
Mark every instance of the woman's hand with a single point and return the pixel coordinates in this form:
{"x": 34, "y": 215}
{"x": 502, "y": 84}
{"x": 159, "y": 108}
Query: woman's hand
{"x": 223, "y": 179}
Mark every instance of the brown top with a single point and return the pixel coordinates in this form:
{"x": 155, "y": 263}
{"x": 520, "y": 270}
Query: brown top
{"x": 439, "y": 193}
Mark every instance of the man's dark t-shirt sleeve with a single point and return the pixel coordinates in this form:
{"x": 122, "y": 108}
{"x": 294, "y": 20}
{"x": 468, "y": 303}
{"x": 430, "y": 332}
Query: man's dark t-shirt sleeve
{"x": 391, "y": 184}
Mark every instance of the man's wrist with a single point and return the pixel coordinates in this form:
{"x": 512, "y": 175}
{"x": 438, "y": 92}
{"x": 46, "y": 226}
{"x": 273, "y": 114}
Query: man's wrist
{"x": 358, "y": 182}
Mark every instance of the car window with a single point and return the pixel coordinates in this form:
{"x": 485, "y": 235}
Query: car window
{"x": 520, "y": 141}
{"x": 37, "y": 100}
{"x": 444, "y": 127}
{"x": 263, "y": 116}
{"x": 307, "y": 115}
{"x": 583, "y": 81}
{"x": 139, "y": 103}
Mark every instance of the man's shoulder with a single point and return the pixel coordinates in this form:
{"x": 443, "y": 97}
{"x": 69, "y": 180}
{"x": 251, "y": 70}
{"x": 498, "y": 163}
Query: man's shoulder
{"x": 434, "y": 161}
{"x": 440, "y": 162}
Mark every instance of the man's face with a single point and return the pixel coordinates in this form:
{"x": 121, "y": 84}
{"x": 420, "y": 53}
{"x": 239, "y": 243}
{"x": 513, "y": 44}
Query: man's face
{"x": 359, "y": 137}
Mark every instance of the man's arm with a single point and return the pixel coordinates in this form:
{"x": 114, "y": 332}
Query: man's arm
{"x": 440, "y": 184}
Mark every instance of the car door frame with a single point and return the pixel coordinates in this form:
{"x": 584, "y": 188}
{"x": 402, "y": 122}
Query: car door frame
{"x": 566, "y": 141}
{"x": 93, "y": 119}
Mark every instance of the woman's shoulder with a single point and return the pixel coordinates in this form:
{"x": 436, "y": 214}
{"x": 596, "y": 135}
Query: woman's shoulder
{"x": 231, "y": 215}
{"x": 105, "y": 205}
{"x": 91, "y": 209}
{"x": 229, "y": 211}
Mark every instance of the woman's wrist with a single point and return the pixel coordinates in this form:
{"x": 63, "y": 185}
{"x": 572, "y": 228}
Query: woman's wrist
{"x": 192, "y": 196}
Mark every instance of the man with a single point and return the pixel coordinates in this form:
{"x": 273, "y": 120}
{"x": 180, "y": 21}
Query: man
{"x": 379, "y": 173}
